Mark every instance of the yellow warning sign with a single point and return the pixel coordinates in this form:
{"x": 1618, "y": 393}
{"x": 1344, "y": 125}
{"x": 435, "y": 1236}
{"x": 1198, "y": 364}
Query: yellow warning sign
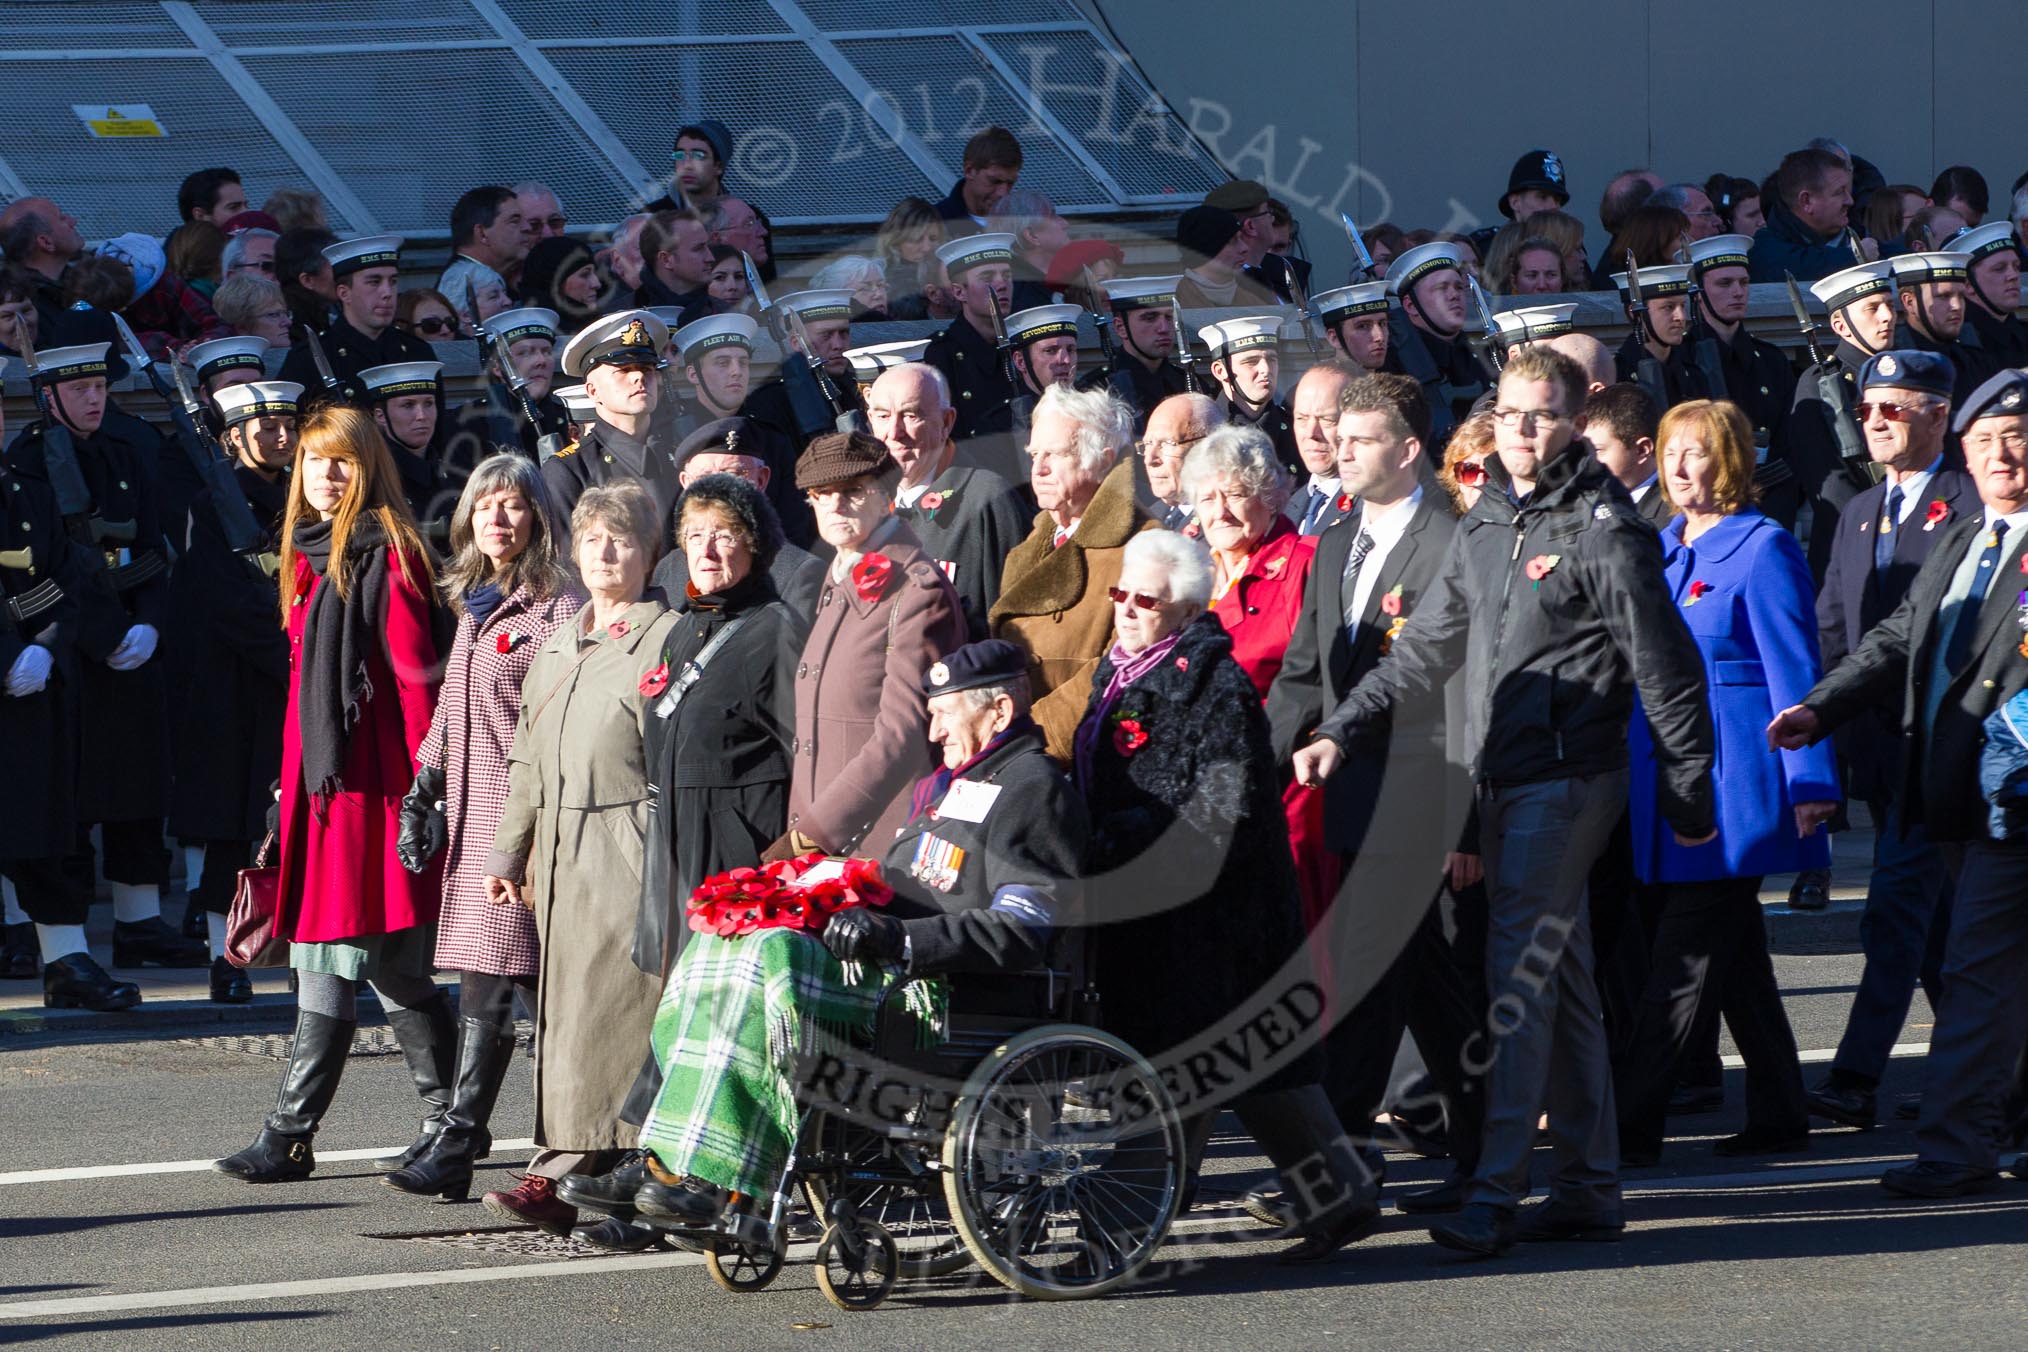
{"x": 118, "y": 121}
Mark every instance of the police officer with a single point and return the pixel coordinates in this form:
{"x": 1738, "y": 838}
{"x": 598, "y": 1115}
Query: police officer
{"x": 230, "y": 670}
{"x": 967, "y": 351}
{"x": 495, "y": 422}
{"x": 1932, "y": 290}
{"x": 1246, "y": 359}
{"x": 1143, "y": 371}
{"x": 801, "y": 413}
{"x": 1751, "y": 373}
{"x": 407, "y": 401}
{"x": 1993, "y": 290}
{"x": 1428, "y": 343}
{"x": 366, "y": 273}
{"x": 619, "y": 358}
{"x": 105, "y": 489}
{"x": 1356, "y": 320}
{"x": 1657, "y": 355}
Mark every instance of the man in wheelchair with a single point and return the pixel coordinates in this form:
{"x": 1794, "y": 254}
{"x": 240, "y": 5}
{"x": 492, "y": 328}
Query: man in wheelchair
{"x": 983, "y": 873}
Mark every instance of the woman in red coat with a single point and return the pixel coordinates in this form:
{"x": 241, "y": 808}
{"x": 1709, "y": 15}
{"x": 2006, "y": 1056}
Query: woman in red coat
{"x": 1259, "y": 564}
{"x": 356, "y": 600}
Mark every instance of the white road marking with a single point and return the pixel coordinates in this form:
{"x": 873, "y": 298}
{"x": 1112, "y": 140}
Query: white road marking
{"x": 204, "y": 1166}
{"x": 1821, "y": 1057}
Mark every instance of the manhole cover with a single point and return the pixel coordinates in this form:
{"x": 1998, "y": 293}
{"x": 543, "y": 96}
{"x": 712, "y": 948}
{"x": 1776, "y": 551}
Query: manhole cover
{"x": 376, "y": 1041}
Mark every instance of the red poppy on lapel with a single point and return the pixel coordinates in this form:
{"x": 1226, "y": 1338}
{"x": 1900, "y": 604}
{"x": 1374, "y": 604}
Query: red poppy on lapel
{"x": 503, "y": 643}
{"x": 1390, "y": 604}
{"x": 870, "y": 575}
{"x": 619, "y": 628}
{"x": 1697, "y": 590}
{"x": 1343, "y": 504}
{"x": 655, "y": 681}
{"x": 1129, "y": 736}
{"x": 1939, "y": 512}
{"x": 929, "y": 502}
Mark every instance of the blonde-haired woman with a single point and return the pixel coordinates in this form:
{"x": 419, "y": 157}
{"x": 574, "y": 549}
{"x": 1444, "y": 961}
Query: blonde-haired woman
{"x": 357, "y": 602}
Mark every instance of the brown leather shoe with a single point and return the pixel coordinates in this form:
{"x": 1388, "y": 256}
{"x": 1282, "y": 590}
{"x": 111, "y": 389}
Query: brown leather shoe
{"x": 534, "y": 1201}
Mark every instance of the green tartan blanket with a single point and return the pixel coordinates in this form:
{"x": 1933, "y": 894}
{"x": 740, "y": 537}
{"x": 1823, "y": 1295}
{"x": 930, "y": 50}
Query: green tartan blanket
{"x": 734, "y": 1016}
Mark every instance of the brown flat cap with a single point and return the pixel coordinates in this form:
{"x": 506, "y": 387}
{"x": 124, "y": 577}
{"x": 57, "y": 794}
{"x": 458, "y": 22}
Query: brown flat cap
{"x": 1240, "y": 196}
{"x": 841, "y": 458}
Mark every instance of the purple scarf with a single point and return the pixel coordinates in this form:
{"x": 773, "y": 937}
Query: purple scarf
{"x": 930, "y": 789}
{"x": 1127, "y": 668}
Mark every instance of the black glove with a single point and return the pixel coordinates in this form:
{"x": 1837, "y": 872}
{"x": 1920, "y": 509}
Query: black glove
{"x": 424, "y": 832}
{"x": 864, "y": 935}
{"x": 274, "y": 821}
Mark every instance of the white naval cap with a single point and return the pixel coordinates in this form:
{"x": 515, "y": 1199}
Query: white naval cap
{"x": 714, "y": 331}
{"x": 869, "y": 361}
{"x": 1415, "y": 264}
{"x": 1239, "y": 335}
{"x": 975, "y": 251}
{"x": 528, "y": 321}
{"x": 397, "y": 378}
{"x": 1042, "y": 321}
{"x": 1843, "y": 287}
{"x": 629, "y": 338}
{"x": 1719, "y": 251}
{"x": 1140, "y": 293}
{"x": 367, "y": 251}
{"x": 1530, "y": 323}
{"x": 240, "y": 352}
{"x": 258, "y": 399}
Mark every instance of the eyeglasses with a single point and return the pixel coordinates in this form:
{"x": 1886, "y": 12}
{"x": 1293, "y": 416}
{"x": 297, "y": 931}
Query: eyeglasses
{"x": 848, "y": 498}
{"x": 1141, "y": 600}
{"x": 723, "y": 541}
{"x": 1163, "y": 449}
{"x": 555, "y": 223}
{"x": 434, "y": 324}
{"x": 1469, "y": 473}
{"x": 1887, "y": 409}
{"x": 265, "y": 265}
{"x": 1522, "y": 417}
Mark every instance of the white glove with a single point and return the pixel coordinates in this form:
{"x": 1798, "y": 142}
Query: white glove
{"x": 30, "y": 672}
{"x": 137, "y": 647}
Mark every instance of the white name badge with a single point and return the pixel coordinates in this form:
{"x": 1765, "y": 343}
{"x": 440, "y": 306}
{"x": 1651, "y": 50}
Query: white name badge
{"x": 968, "y": 800}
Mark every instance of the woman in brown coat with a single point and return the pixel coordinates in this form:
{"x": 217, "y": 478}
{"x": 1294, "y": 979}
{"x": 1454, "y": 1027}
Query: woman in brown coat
{"x": 886, "y": 612}
{"x": 1053, "y": 592}
{"x": 571, "y": 844}
{"x": 510, "y": 593}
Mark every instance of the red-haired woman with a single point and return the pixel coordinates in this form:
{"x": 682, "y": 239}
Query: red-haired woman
{"x": 356, "y": 600}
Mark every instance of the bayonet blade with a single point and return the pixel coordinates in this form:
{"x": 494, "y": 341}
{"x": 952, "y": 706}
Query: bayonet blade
{"x": 1358, "y": 246}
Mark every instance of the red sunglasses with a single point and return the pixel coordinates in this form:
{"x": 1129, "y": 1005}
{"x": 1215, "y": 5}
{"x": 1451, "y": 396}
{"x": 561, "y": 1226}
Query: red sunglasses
{"x": 1888, "y": 409}
{"x": 1142, "y": 601}
{"x": 1470, "y": 473}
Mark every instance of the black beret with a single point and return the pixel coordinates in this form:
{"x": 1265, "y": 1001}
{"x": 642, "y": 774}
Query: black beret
{"x": 724, "y": 436}
{"x": 992, "y": 661}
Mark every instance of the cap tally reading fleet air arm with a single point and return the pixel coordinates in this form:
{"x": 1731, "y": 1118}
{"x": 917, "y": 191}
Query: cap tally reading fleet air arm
{"x": 712, "y": 332}
{"x": 1535, "y": 322}
{"x": 1846, "y": 285}
{"x": 348, "y": 256}
{"x": 1240, "y": 335}
{"x": 258, "y": 399}
{"x": 1664, "y": 279}
{"x": 976, "y": 251}
{"x": 1719, "y": 251}
{"x": 1915, "y": 269}
{"x": 629, "y": 338}
{"x": 1042, "y": 321}
{"x": 2004, "y": 395}
{"x": 56, "y": 364}
{"x": 869, "y": 361}
{"x": 530, "y": 321}
{"x": 1140, "y": 293}
{"x": 1335, "y": 307}
{"x": 1417, "y": 263}
{"x": 398, "y": 378}
{"x": 243, "y": 352}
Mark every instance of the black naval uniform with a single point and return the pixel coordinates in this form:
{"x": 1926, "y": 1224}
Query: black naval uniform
{"x": 1680, "y": 378}
{"x": 230, "y": 673}
{"x": 43, "y": 582}
{"x": 967, "y": 520}
{"x": 1759, "y": 379}
{"x": 607, "y": 455}
{"x": 1827, "y": 478}
{"x": 1273, "y": 419}
{"x": 492, "y": 425}
{"x": 980, "y": 389}
{"x": 2005, "y": 339}
{"x": 984, "y": 895}
{"x": 778, "y": 448}
{"x": 1130, "y": 379}
{"x": 432, "y": 485}
{"x": 349, "y": 351}
{"x": 1973, "y": 363}
{"x": 123, "y": 716}
{"x": 1447, "y": 369}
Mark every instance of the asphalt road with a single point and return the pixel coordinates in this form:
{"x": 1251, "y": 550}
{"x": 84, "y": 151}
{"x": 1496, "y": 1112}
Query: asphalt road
{"x": 1801, "y": 1253}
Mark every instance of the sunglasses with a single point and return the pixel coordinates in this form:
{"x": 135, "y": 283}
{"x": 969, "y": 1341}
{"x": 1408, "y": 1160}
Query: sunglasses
{"x": 434, "y": 325}
{"x": 1141, "y": 600}
{"x": 1887, "y": 409}
{"x": 1470, "y": 473}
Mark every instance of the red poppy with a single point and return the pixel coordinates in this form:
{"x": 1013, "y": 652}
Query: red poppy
{"x": 1390, "y": 604}
{"x": 1192, "y": 531}
{"x": 618, "y": 628}
{"x": 869, "y": 576}
{"x": 1129, "y": 736}
{"x": 503, "y": 643}
{"x": 1697, "y": 590}
{"x": 1182, "y": 664}
{"x": 929, "y": 502}
{"x": 1939, "y": 511}
{"x": 1344, "y": 503}
{"x": 655, "y": 681}
{"x": 1542, "y": 565}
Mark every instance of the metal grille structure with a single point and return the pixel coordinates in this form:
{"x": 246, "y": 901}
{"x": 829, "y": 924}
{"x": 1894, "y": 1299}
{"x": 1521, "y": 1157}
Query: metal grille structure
{"x": 391, "y": 108}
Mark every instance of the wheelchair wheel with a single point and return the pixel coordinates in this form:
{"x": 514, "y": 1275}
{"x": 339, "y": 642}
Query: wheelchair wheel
{"x": 1064, "y": 1163}
{"x": 914, "y": 1214}
{"x": 857, "y": 1266}
{"x": 745, "y": 1267}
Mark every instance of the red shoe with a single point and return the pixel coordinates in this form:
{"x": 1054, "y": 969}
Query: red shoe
{"x": 534, "y": 1201}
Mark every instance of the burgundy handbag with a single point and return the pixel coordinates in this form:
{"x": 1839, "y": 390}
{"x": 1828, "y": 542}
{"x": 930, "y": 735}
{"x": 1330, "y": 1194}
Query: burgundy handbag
{"x": 250, "y": 938}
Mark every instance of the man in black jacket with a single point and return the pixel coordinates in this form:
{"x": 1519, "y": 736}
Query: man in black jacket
{"x": 1954, "y": 649}
{"x": 1552, "y": 596}
{"x": 1993, "y": 290}
{"x": 1932, "y": 292}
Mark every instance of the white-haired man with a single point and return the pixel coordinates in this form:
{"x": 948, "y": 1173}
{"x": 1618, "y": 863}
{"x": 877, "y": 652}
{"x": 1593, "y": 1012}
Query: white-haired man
{"x": 1054, "y": 598}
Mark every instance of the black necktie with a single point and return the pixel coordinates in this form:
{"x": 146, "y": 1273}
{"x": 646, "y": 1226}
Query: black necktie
{"x": 1965, "y": 624}
{"x": 1883, "y": 543}
{"x": 1348, "y": 585}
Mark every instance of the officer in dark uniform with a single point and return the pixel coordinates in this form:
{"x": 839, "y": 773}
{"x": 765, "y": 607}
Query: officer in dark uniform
{"x": 1933, "y": 297}
{"x": 986, "y": 870}
{"x": 407, "y": 402}
{"x": 1753, "y": 374}
{"x": 1356, "y": 322}
{"x": 716, "y": 354}
{"x": 494, "y": 422}
{"x": 367, "y": 275}
{"x": 1143, "y": 371}
{"x": 619, "y": 358}
{"x": 230, "y": 667}
{"x": 105, "y": 490}
{"x": 825, "y": 318}
{"x": 1428, "y": 342}
{"x": 1657, "y": 355}
{"x": 1246, "y": 360}
{"x": 967, "y": 351}
{"x": 1993, "y": 290}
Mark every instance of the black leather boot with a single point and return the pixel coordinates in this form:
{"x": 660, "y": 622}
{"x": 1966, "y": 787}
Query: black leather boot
{"x": 428, "y": 1035}
{"x": 281, "y": 1153}
{"x": 75, "y": 981}
{"x": 20, "y": 959}
{"x": 229, "y": 985}
{"x": 443, "y": 1167}
{"x": 139, "y": 942}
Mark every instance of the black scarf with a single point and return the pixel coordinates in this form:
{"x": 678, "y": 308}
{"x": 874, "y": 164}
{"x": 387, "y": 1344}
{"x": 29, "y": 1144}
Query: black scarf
{"x": 338, "y": 634}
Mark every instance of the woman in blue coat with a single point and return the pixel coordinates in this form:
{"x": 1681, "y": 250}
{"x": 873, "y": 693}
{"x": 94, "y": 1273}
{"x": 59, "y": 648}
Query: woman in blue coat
{"x": 1744, "y": 592}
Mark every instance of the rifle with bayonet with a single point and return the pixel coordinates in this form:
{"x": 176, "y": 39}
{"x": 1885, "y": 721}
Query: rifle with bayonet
{"x": 1366, "y": 268}
{"x": 1101, "y": 311}
{"x": 814, "y": 402}
{"x": 325, "y": 376}
{"x": 547, "y": 444}
{"x": 1301, "y": 299}
{"x": 1489, "y": 348}
{"x": 1835, "y": 394}
{"x": 1186, "y": 357}
{"x": 1703, "y": 339}
{"x": 1647, "y": 371}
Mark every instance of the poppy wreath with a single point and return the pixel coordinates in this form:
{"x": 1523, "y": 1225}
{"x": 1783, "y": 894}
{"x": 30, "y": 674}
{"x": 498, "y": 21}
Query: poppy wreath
{"x": 743, "y": 900}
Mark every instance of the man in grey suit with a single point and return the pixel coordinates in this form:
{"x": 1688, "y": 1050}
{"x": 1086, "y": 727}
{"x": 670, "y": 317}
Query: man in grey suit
{"x": 1956, "y": 650}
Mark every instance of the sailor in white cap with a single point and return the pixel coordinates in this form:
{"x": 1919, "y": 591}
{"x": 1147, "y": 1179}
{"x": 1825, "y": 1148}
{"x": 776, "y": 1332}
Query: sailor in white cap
{"x": 496, "y": 421}
{"x": 1933, "y": 290}
{"x": 226, "y": 361}
{"x": 366, "y": 273}
{"x": 578, "y": 405}
{"x": 407, "y": 400}
{"x": 1751, "y": 373}
{"x": 1656, "y": 355}
{"x": 1534, "y": 324}
{"x": 716, "y": 354}
{"x": 1355, "y": 320}
{"x": 981, "y": 269}
{"x": 1430, "y": 346}
{"x": 1044, "y": 339}
{"x": 619, "y": 358}
{"x": 260, "y": 424}
{"x": 1993, "y": 288}
{"x": 1246, "y": 360}
{"x": 1143, "y": 370}
{"x": 869, "y": 362}
{"x": 825, "y": 318}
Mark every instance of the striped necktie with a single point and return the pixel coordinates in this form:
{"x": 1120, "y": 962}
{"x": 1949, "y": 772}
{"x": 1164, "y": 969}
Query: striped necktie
{"x": 1348, "y": 585}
